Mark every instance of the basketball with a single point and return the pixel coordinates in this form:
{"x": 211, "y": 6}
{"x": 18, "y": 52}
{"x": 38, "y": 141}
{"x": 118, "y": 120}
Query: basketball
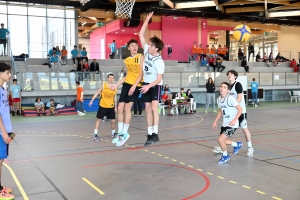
{"x": 241, "y": 33}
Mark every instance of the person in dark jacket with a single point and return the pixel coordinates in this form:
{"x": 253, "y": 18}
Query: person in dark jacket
{"x": 250, "y": 50}
{"x": 94, "y": 68}
{"x": 219, "y": 65}
{"x": 210, "y": 95}
{"x": 244, "y": 64}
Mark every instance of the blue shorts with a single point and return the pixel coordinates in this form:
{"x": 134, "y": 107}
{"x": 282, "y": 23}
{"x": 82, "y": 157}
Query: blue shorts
{"x": 3, "y": 149}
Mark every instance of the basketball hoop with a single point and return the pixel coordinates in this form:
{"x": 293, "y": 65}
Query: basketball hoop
{"x": 124, "y": 8}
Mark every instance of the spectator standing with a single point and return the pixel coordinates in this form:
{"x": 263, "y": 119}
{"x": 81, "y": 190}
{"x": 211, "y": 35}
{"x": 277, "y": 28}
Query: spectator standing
{"x": 74, "y": 53}
{"x": 39, "y": 105}
{"x": 15, "y": 93}
{"x": 250, "y": 51}
{"x": 244, "y": 64}
{"x": 86, "y": 69}
{"x": 83, "y": 55}
{"x": 79, "y": 99}
{"x": 54, "y": 62}
{"x": 254, "y": 91}
{"x": 51, "y": 107}
{"x": 190, "y": 96}
{"x": 210, "y": 95}
{"x": 3, "y": 33}
{"x": 80, "y": 68}
{"x": 138, "y": 105}
{"x": 294, "y": 65}
{"x": 94, "y": 68}
{"x": 64, "y": 54}
{"x": 113, "y": 49}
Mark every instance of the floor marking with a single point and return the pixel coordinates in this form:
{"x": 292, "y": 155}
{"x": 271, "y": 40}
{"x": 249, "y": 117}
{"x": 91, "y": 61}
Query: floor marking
{"x": 126, "y": 145}
{"x": 17, "y": 181}
{"x": 276, "y": 198}
{"x": 54, "y": 133}
{"x": 232, "y": 182}
{"x": 61, "y": 134}
{"x": 245, "y": 186}
{"x": 200, "y": 170}
{"x": 146, "y": 150}
{"x": 133, "y": 146}
{"x": 159, "y": 154}
{"x": 80, "y": 136}
{"x": 220, "y": 177}
{"x": 182, "y": 163}
{"x": 106, "y": 140}
{"x": 68, "y": 135}
{"x": 174, "y": 160}
{"x": 72, "y": 135}
{"x": 260, "y": 192}
{"x": 93, "y": 186}
{"x": 209, "y": 173}
{"x": 167, "y": 157}
{"x": 191, "y": 166}
{"x": 153, "y": 152}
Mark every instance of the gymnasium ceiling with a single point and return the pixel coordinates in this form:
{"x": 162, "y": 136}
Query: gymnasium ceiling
{"x": 282, "y": 12}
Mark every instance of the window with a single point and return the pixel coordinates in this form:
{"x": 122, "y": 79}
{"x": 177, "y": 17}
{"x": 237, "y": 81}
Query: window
{"x": 18, "y": 34}
{"x": 17, "y": 10}
{"x": 37, "y": 37}
{"x": 55, "y": 13}
{"x": 36, "y": 11}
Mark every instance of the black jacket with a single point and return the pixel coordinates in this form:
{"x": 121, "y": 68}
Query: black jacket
{"x": 210, "y": 88}
{"x": 94, "y": 67}
{"x": 244, "y": 63}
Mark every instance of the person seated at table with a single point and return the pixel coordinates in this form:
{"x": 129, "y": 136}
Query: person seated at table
{"x": 166, "y": 88}
{"x": 190, "y": 96}
{"x": 181, "y": 95}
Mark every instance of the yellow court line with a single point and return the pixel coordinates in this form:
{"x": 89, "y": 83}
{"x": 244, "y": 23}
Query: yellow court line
{"x": 209, "y": 173}
{"x": 276, "y": 198}
{"x": 25, "y": 197}
{"x": 232, "y": 182}
{"x": 220, "y": 177}
{"x": 245, "y": 186}
{"x": 93, "y": 186}
{"x": 260, "y": 192}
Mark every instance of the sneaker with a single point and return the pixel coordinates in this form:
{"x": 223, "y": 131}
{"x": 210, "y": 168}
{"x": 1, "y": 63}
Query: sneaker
{"x": 155, "y": 138}
{"x": 140, "y": 115}
{"x": 151, "y": 139}
{"x": 74, "y": 65}
{"x": 44, "y": 114}
{"x": 78, "y": 111}
{"x": 250, "y": 151}
{"x": 205, "y": 111}
{"x": 84, "y": 111}
{"x": 18, "y": 113}
{"x": 217, "y": 149}
{"x": 7, "y": 190}
{"x": 123, "y": 138}
{"x": 255, "y": 105}
{"x": 39, "y": 114}
{"x": 224, "y": 159}
{"x": 185, "y": 112}
{"x": 237, "y": 148}
{"x": 172, "y": 112}
{"x": 13, "y": 113}
{"x": 116, "y": 138}
{"x": 112, "y": 135}
{"x": 96, "y": 138}
{"x": 5, "y": 195}
{"x": 214, "y": 111}
{"x": 195, "y": 111}
{"x": 81, "y": 114}
{"x": 135, "y": 115}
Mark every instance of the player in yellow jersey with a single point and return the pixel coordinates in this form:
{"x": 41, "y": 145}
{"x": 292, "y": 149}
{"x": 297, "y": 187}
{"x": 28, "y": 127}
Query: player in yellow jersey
{"x": 130, "y": 91}
{"x": 107, "y": 105}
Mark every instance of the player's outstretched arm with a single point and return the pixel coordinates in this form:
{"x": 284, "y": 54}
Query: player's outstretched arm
{"x": 95, "y": 95}
{"x": 143, "y": 29}
{"x": 217, "y": 118}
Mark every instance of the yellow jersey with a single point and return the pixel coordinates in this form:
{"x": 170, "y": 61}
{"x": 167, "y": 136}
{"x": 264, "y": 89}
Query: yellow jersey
{"x": 107, "y": 97}
{"x": 133, "y": 65}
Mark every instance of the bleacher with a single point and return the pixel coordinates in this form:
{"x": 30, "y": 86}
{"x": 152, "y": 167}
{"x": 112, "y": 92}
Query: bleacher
{"x": 28, "y": 110}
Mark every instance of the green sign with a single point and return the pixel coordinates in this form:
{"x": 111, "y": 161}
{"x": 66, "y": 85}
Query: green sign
{"x": 266, "y": 33}
{"x": 99, "y": 24}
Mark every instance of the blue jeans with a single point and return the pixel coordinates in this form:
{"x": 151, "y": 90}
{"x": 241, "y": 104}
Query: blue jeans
{"x": 79, "y": 106}
{"x": 254, "y": 97}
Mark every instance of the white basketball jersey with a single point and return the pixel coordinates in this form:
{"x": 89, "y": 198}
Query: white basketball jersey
{"x": 153, "y": 65}
{"x": 229, "y": 111}
{"x": 237, "y": 88}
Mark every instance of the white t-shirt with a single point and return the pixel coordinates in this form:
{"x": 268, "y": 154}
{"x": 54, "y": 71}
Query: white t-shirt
{"x": 237, "y": 88}
{"x": 153, "y": 65}
{"x": 227, "y": 104}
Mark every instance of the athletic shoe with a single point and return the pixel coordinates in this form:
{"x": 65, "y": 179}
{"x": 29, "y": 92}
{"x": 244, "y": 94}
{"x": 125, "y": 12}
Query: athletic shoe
{"x": 116, "y": 138}
{"x": 44, "y": 114}
{"x": 250, "y": 151}
{"x": 78, "y": 111}
{"x": 205, "y": 111}
{"x": 96, "y": 138}
{"x": 155, "y": 137}
{"x": 185, "y": 112}
{"x": 195, "y": 111}
{"x": 74, "y": 65}
{"x": 123, "y": 138}
{"x": 141, "y": 115}
{"x": 255, "y": 105}
{"x": 135, "y": 115}
{"x": 112, "y": 135}
{"x": 84, "y": 111}
{"x": 217, "y": 149}
{"x": 81, "y": 114}
{"x": 151, "y": 139}
{"x": 7, "y": 190}
{"x": 18, "y": 113}
{"x": 237, "y": 148}
{"x": 5, "y": 195}
{"x": 214, "y": 111}
{"x": 13, "y": 113}
{"x": 39, "y": 114}
{"x": 224, "y": 159}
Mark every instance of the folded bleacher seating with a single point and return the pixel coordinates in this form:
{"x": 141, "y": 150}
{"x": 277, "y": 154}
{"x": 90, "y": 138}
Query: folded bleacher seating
{"x": 28, "y": 110}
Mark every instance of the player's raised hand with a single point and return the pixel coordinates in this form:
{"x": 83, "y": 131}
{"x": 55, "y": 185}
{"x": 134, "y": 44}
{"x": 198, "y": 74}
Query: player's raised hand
{"x": 149, "y": 15}
{"x": 113, "y": 87}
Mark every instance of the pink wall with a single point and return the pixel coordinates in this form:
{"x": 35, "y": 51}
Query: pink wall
{"x": 95, "y": 42}
{"x": 120, "y": 40}
{"x": 179, "y": 33}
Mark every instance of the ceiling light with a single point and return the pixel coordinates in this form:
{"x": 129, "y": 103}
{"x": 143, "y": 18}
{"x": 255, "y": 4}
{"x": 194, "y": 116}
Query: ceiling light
{"x": 123, "y": 30}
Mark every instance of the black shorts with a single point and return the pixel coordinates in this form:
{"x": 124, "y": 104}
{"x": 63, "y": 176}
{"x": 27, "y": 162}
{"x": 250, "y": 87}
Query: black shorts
{"x": 153, "y": 94}
{"x": 108, "y": 112}
{"x": 243, "y": 120}
{"x": 228, "y": 131}
{"x": 2, "y": 41}
{"x": 124, "y": 93}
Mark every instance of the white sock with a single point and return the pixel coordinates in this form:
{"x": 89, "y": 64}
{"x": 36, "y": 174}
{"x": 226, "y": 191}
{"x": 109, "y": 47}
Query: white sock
{"x": 234, "y": 144}
{"x": 113, "y": 132}
{"x": 150, "y": 129}
{"x": 95, "y": 131}
{"x": 155, "y": 129}
{"x": 125, "y": 128}
{"x": 249, "y": 144}
{"x": 120, "y": 127}
{"x": 225, "y": 153}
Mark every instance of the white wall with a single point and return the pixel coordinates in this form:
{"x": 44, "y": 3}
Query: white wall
{"x": 85, "y": 43}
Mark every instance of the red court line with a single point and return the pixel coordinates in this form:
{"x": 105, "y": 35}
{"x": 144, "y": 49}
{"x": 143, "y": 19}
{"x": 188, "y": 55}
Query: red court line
{"x": 276, "y": 147}
{"x": 207, "y": 182}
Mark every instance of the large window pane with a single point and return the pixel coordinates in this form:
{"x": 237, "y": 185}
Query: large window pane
{"x": 70, "y": 14}
{"x": 37, "y": 37}
{"x": 18, "y": 34}
{"x": 37, "y": 11}
{"x": 18, "y": 10}
{"x": 3, "y": 8}
{"x": 70, "y": 35}
{"x": 56, "y": 32}
{"x": 55, "y": 13}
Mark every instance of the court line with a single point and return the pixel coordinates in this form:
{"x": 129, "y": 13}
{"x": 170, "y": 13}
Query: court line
{"x": 93, "y": 186}
{"x": 25, "y": 197}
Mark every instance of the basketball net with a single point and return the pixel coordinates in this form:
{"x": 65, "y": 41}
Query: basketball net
{"x": 124, "y": 8}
